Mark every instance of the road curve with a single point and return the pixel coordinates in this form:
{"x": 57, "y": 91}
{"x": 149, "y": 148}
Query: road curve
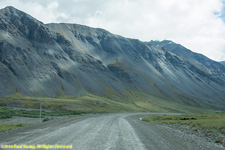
{"x": 124, "y": 131}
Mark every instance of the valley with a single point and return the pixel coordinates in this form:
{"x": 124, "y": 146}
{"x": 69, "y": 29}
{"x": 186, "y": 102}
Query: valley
{"x": 74, "y": 85}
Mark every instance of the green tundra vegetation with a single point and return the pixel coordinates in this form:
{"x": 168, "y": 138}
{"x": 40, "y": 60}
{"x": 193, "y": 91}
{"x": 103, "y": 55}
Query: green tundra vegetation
{"x": 9, "y": 126}
{"x": 64, "y": 105}
{"x": 213, "y": 122}
{"x": 89, "y": 103}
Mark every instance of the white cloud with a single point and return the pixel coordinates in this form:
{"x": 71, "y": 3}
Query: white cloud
{"x": 192, "y": 23}
{"x": 46, "y": 13}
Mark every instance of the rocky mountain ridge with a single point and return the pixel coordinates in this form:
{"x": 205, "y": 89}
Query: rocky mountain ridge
{"x": 202, "y": 62}
{"x": 39, "y": 59}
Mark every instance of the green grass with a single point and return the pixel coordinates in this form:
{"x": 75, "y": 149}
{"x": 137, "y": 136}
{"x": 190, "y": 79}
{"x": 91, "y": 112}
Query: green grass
{"x": 153, "y": 103}
{"x": 206, "y": 122}
{"x": 7, "y": 112}
{"x": 9, "y": 126}
{"x": 219, "y": 139}
{"x": 87, "y": 103}
{"x": 131, "y": 101}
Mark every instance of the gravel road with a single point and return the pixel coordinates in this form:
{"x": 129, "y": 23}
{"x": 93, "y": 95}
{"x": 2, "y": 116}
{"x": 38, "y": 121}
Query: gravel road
{"x": 124, "y": 131}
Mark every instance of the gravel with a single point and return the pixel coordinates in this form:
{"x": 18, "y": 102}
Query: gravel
{"x": 20, "y": 120}
{"x": 208, "y": 136}
{"x": 122, "y": 131}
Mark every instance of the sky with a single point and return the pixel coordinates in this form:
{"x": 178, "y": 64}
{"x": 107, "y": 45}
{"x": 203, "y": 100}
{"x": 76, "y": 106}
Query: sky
{"x": 199, "y": 25}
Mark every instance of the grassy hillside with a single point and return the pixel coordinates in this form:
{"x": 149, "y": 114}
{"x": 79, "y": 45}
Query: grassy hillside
{"x": 134, "y": 102}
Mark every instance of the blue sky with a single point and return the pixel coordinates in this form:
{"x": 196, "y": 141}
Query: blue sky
{"x": 223, "y": 12}
{"x": 197, "y": 24}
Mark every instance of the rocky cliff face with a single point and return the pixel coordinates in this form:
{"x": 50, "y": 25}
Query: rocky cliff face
{"x": 39, "y": 59}
{"x": 208, "y": 66}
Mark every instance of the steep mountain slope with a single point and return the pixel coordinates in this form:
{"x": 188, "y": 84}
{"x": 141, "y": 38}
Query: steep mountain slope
{"x": 39, "y": 59}
{"x": 222, "y": 62}
{"x": 200, "y": 61}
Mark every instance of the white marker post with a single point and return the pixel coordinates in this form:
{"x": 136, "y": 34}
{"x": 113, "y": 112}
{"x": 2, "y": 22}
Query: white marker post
{"x": 40, "y": 112}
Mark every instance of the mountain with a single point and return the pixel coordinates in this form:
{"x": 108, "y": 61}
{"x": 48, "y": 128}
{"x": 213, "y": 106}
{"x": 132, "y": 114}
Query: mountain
{"x": 200, "y": 61}
{"x": 222, "y": 62}
{"x": 50, "y": 60}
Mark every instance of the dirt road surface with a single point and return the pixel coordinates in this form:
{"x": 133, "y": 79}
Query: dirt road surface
{"x": 122, "y": 131}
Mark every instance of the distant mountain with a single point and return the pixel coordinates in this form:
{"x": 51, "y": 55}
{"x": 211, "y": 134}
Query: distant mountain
{"x": 222, "y": 62}
{"x": 39, "y": 59}
{"x": 206, "y": 65}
